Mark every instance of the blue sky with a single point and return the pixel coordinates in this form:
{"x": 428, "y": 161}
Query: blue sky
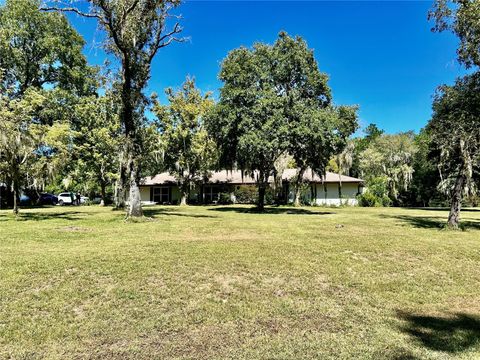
{"x": 379, "y": 55}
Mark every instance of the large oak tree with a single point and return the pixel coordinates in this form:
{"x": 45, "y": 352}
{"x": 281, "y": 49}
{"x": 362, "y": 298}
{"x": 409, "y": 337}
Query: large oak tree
{"x": 456, "y": 106}
{"x": 275, "y": 101}
{"x": 136, "y": 30}
{"x": 41, "y": 67}
{"x": 455, "y": 139}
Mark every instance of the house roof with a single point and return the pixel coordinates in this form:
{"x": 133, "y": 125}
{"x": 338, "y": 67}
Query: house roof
{"x": 310, "y": 176}
{"x": 159, "y": 179}
{"x": 235, "y": 177}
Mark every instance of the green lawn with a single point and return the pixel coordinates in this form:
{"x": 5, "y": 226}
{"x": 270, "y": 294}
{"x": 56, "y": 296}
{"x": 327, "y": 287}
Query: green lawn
{"x": 225, "y": 283}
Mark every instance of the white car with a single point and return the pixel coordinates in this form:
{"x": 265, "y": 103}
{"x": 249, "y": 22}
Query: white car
{"x": 65, "y": 198}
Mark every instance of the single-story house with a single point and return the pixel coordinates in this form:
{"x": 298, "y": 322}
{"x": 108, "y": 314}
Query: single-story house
{"x": 163, "y": 188}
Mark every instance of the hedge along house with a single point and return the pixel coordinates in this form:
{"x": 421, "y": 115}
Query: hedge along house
{"x": 317, "y": 190}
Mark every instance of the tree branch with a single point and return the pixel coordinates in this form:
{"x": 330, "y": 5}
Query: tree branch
{"x": 130, "y": 9}
{"x": 160, "y": 42}
{"x": 71, "y": 9}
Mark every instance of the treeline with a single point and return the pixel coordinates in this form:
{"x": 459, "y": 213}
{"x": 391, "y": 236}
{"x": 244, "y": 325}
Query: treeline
{"x": 68, "y": 126}
{"x": 441, "y": 164}
{"x": 399, "y": 169}
{"x": 65, "y": 125}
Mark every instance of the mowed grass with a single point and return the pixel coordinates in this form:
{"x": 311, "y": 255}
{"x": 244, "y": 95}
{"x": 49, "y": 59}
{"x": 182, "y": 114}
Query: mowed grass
{"x": 222, "y": 282}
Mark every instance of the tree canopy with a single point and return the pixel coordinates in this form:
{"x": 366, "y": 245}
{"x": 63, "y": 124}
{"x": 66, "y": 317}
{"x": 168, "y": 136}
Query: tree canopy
{"x": 61, "y": 122}
{"x": 189, "y": 150}
{"x": 97, "y": 141}
{"x": 38, "y": 49}
{"x": 136, "y": 30}
{"x": 390, "y": 157}
{"x": 275, "y": 101}
{"x": 462, "y": 18}
{"x": 455, "y": 139}
{"x": 41, "y": 69}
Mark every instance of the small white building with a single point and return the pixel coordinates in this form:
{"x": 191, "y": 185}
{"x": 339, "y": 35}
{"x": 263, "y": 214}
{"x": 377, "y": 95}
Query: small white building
{"x": 331, "y": 189}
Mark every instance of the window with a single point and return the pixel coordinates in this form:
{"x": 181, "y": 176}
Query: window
{"x": 161, "y": 195}
{"x": 211, "y": 194}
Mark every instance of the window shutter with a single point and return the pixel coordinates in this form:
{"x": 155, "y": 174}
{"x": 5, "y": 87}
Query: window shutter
{"x": 151, "y": 193}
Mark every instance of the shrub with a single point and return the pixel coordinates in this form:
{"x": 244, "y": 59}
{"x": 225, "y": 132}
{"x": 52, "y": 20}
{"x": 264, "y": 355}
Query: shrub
{"x": 369, "y": 199}
{"x": 378, "y": 186}
{"x": 224, "y": 198}
{"x": 248, "y": 194}
{"x": 245, "y": 194}
{"x": 269, "y": 196}
{"x": 386, "y": 201}
{"x": 376, "y": 193}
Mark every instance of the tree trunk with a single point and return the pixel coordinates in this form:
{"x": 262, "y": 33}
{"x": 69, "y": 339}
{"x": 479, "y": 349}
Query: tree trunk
{"x": 183, "y": 199}
{"x": 261, "y": 196}
{"x": 131, "y": 95}
{"x": 298, "y": 189}
{"x": 202, "y": 194}
{"x": 262, "y": 182}
{"x": 15, "y": 185}
{"x": 121, "y": 184}
{"x": 456, "y": 202}
{"x": 134, "y": 199}
{"x": 103, "y": 193}
{"x": 184, "y": 195}
{"x": 15, "y": 197}
{"x": 340, "y": 192}
{"x": 135, "y": 204}
{"x": 325, "y": 192}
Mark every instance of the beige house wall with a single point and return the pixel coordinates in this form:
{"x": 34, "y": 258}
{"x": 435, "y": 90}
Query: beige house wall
{"x": 145, "y": 193}
{"x": 330, "y": 197}
{"x": 175, "y": 197}
{"x": 328, "y": 194}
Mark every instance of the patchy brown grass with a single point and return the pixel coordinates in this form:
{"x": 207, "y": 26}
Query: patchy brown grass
{"x": 227, "y": 283}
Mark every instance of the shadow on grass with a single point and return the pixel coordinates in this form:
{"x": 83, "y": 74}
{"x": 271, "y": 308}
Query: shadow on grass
{"x": 66, "y": 215}
{"x": 171, "y": 212}
{"x": 395, "y": 353}
{"x": 451, "y": 334}
{"x": 432, "y": 222}
{"x": 442, "y": 209}
{"x": 269, "y": 210}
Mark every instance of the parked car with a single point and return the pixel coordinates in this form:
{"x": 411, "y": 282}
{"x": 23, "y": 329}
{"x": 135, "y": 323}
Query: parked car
{"x": 47, "y": 199}
{"x": 25, "y": 200}
{"x": 65, "y": 198}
